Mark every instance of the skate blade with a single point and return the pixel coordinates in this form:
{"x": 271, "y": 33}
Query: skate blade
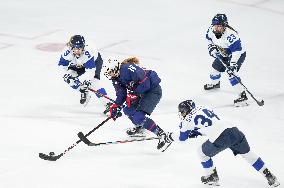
{"x": 167, "y": 147}
{"x": 241, "y": 104}
{"x": 213, "y": 184}
{"x": 276, "y": 184}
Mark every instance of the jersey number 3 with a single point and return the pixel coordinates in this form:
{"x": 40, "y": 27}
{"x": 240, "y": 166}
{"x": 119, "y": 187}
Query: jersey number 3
{"x": 205, "y": 120}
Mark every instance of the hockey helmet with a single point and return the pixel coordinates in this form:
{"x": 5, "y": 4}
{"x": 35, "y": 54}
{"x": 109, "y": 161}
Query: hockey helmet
{"x": 185, "y": 107}
{"x": 111, "y": 68}
{"x": 77, "y": 41}
{"x": 220, "y": 19}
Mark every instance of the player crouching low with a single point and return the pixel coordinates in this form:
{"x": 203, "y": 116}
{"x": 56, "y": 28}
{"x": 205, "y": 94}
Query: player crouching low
{"x": 141, "y": 91}
{"x": 78, "y": 60}
{"x": 201, "y": 122}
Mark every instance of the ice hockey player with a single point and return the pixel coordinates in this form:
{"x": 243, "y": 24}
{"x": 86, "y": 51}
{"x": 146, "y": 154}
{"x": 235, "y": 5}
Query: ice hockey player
{"x": 202, "y": 123}
{"x": 225, "y": 46}
{"x": 141, "y": 91}
{"x": 78, "y": 60}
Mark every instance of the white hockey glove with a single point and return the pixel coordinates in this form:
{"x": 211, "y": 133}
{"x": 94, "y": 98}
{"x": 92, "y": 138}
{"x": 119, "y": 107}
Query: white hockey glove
{"x": 233, "y": 66}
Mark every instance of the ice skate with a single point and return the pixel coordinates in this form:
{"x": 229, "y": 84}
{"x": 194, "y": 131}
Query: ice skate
{"x": 136, "y": 132}
{"x": 85, "y": 97}
{"x": 212, "y": 86}
{"x": 272, "y": 180}
{"x": 212, "y": 179}
{"x": 242, "y": 100}
{"x": 165, "y": 141}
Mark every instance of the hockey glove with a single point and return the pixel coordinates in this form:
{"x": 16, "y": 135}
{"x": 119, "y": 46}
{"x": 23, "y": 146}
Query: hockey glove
{"x": 67, "y": 78}
{"x": 130, "y": 98}
{"x": 115, "y": 111}
{"x": 233, "y": 66}
{"x": 213, "y": 51}
{"x": 194, "y": 134}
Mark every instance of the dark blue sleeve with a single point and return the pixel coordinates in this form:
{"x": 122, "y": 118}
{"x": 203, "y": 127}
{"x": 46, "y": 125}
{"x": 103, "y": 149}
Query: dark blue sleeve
{"x": 121, "y": 93}
{"x": 63, "y": 62}
{"x": 90, "y": 64}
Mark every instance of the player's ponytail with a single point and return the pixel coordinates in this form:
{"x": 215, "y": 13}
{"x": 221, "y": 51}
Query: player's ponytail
{"x": 231, "y": 28}
{"x": 133, "y": 60}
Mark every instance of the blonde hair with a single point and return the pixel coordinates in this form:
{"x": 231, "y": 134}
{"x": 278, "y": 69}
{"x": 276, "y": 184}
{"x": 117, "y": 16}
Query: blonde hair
{"x": 133, "y": 60}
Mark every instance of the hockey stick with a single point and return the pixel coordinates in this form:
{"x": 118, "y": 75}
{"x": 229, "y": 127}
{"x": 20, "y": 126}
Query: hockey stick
{"x": 260, "y": 103}
{"x": 52, "y": 157}
{"x": 102, "y": 95}
{"x": 89, "y": 143}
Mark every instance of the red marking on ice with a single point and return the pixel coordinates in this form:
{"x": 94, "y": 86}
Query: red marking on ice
{"x": 50, "y": 47}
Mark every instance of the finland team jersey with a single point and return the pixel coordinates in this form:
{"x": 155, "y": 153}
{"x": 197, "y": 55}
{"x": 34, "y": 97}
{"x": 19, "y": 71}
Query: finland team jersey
{"x": 203, "y": 120}
{"x": 229, "y": 41}
{"x": 87, "y": 59}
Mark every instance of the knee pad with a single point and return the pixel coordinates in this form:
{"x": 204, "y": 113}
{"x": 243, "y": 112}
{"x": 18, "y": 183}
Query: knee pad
{"x": 73, "y": 82}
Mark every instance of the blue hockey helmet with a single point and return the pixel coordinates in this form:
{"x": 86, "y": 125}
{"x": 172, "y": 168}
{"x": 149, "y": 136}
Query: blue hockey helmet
{"x": 77, "y": 41}
{"x": 220, "y": 19}
{"x": 185, "y": 107}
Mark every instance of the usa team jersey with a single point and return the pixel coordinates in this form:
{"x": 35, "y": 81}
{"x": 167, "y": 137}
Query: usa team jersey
{"x": 229, "y": 41}
{"x": 202, "y": 120}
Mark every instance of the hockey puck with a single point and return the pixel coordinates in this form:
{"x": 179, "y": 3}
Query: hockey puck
{"x": 51, "y": 153}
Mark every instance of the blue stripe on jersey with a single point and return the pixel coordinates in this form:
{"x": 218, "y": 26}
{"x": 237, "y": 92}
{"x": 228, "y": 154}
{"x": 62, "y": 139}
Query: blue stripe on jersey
{"x": 184, "y": 135}
{"x": 207, "y": 164}
{"x": 258, "y": 164}
{"x": 215, "y": 77}
{"x": 90, "y": 64}
{"x": 234, "y": 81}
{"x": 63, "y": 62}
{"x": 236, "y": 46}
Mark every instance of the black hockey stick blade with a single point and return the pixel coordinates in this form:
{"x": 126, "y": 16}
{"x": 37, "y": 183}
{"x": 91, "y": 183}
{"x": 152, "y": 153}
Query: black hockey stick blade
{"x": 49, "y": 157}
{"x": 84, "y": 138}
{"x": 260, "y": 103}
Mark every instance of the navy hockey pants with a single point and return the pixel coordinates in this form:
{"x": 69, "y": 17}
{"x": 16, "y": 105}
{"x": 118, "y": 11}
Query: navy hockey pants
{"x": 231, "y": 138}
{"x": 145, "y": 105}
{"x": 218, "y": 65}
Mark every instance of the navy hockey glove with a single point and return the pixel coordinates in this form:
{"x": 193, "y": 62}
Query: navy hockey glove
{"x": 194, "y": 134}
{"x": 67, "y": 78}
{"x": 115, "y": 111}
{"x": 213, "y": 51}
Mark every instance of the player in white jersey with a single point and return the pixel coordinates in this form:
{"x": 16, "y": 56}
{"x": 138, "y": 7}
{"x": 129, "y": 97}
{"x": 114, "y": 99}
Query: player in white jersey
{"x": 202, "y": 123}
{"x": 78, "y": 60}
{"x": 227, "y": 49}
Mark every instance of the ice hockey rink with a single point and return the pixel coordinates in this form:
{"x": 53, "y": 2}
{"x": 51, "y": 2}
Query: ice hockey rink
{"x": 40, "y": 113}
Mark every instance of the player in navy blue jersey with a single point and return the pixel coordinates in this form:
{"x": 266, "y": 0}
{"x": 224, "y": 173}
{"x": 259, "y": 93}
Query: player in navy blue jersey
{"x": 80, "y": 61}
{"x": 140, "y": 89}
{"x": 202, "y": 123}
{"x": 228, "y": 51}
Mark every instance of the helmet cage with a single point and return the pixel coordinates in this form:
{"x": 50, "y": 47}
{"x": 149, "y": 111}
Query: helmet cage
{"x": 112, "y": 68}
{"x": 185, "y": 107}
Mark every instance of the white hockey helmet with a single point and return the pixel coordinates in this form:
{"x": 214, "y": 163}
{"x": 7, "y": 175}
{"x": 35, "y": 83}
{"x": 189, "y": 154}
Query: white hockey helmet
{"x": 111, "y": 68}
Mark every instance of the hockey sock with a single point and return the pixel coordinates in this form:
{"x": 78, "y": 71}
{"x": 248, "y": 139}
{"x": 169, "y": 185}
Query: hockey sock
{"x": 255, "y": 161}
{"x": 150, "y": 125}
{"x": 215, "y": 77}
{"x": 206, "y": 162}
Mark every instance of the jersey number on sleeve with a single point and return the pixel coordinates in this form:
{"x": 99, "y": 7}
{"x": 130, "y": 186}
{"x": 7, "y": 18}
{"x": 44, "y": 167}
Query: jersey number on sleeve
{"x": 204, "y": 120}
